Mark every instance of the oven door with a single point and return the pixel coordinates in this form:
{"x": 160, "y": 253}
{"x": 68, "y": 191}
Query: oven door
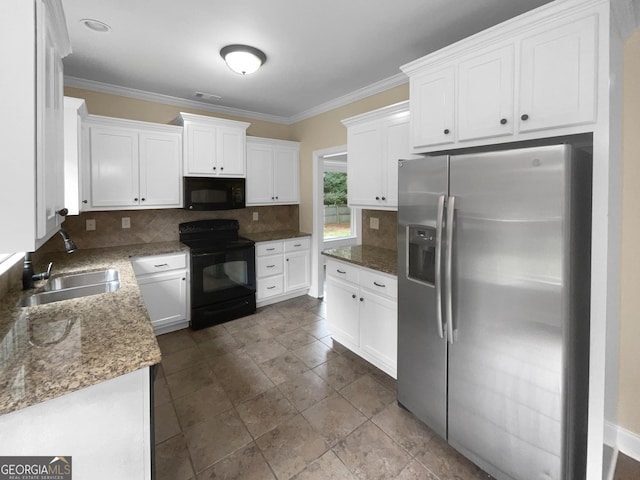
{"x": 222, "y": 275}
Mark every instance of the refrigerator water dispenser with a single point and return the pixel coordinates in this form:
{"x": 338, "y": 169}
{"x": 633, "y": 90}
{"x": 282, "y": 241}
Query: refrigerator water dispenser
{"x": 422, "y": 253}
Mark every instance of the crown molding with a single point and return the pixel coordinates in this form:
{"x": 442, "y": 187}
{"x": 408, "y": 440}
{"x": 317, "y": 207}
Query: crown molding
{"x": 167, "y": 99}
{"x": 381, "y": 86}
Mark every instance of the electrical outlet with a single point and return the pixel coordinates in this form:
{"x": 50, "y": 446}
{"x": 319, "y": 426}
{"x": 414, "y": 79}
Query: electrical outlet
{"x": 126, "y": 222}
{"x": 374, "y": 223}
{"x": 255, "y": 216}
{"x": 91, "y": 225}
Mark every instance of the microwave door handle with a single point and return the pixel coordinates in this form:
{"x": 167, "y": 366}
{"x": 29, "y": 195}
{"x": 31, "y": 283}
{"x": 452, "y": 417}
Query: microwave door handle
{"x": 438, "y": 265}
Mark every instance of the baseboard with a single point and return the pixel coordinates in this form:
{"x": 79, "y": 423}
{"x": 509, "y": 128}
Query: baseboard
{"x": 622, "y": 439}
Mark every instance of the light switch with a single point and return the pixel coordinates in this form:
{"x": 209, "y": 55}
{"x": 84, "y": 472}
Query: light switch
{"x": 374, "y": 223}
{"x": 91, "y": 224}
{"x": 255, "y": 216}
{"x": 126, "y": 222}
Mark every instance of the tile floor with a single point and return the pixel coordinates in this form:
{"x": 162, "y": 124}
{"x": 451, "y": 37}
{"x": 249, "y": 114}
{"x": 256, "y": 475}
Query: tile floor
{"x": 271, "y": 396}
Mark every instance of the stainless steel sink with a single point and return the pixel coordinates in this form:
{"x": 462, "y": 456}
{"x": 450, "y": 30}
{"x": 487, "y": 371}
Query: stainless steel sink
{"x": 82, "y": 279}
{"x": 74, "y": 285}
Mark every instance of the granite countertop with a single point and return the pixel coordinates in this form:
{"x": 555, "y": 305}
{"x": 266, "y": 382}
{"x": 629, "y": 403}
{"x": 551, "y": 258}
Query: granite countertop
{"x": 375, "y": 258}
{"x": 273, "y": 236}
{"x": 50, "y": 350}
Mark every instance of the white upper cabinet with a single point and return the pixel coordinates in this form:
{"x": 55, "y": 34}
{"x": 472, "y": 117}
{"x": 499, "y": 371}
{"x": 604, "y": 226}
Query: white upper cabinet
{"x": 432, "y": 98}
{"x": 213, "y": 147}
{"x": 273, "y": 172}
{"x": 485, "y": 95}
{"x": 375, "y": 142}
{"x": 32, "y": 143}
{"x": 133, "y": 165}
{"x": 558, "y": 75}
{"x": 75, "y": 113}
{"x": 530, "y": 77}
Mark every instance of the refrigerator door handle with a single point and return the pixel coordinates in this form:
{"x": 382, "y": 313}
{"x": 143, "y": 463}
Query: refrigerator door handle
{"x": 447, "y": 269}
{"x": 438, "y": 265}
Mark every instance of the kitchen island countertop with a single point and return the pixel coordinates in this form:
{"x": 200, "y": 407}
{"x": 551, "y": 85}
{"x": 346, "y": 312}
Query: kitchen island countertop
{"x": 50, "y": 350}
{"x": 375, "y": 258}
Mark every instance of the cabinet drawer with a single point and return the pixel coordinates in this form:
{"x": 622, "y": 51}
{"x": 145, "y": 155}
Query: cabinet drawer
{"x": 271, "y": 265}
{"x": 380, "y": 284}
{"x": 295, "y": 244}
{"x": 343, "y": 271}
{"x": 158, "y": 263}
{"x": 269, "y": 287}
{"x": 268, "y": 248}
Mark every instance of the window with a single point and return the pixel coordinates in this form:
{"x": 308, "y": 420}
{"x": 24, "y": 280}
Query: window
{"x": 339, "y": 221}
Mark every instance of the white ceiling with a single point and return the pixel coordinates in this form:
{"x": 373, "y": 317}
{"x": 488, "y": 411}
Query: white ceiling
{"x": 317, "y": 51}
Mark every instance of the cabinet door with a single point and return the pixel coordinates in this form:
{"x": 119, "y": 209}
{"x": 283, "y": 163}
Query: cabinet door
{"x": 485, "y": 95}
{"x": 259, "y": 182}
{"x": 297, "y": 270}
{"x": 379, "y": 330}
{"x": 231, "y": 152}
{"x": 160, "y": 169}
{"x": 114, "y": 167}
{"x": 432, "y": 108}
{"x": 364, "y": 171}
{"x": 200, "y": 150}
{"x": 50, "y": 154}
{"x": 395, "y": 146}
{"x": 343, "y": 312}
{"x": 165, "y": 296}
{"x": 558, "y": 76}
{"x": 286, "y": 177}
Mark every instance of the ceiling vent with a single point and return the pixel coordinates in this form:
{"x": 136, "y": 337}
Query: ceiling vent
{"x": 209, "y": 97}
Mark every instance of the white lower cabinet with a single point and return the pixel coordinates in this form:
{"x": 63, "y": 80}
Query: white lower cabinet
{"x": 362, "y": 313}
{"x": 164, "y": 283}
{"x": 283, "y": 270}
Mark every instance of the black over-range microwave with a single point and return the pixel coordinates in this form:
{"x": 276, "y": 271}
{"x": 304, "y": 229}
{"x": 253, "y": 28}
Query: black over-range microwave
{"x": 213, "y": 193}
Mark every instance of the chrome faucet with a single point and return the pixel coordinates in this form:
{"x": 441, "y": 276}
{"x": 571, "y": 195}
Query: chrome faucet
{"x": 28, "y": 276}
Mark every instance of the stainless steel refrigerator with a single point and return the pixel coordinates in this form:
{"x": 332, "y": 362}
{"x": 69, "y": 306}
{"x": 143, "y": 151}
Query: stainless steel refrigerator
{"x": 493, "y": 305}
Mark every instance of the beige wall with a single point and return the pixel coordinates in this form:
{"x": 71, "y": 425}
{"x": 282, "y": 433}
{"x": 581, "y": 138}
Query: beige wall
{"x": 629, "y": 356}
{"x": 325, "y": 131}
{"x": 145, "y": 111}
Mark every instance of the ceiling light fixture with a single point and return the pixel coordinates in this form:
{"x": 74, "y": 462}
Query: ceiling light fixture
{"x": 95, "y": 25}
{"x": 243, "y": 59}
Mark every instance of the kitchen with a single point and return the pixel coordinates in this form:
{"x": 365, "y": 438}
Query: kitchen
{"x": 314, "y": 133}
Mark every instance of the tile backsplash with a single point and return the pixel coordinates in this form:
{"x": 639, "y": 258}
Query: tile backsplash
{"x": 162, "y": 225}
{"x": 386, "y": 233}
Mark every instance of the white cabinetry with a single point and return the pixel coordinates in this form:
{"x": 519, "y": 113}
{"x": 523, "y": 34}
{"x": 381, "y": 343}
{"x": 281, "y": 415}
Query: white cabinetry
{"x": 273, "y": 168}
{"x": 362, "y": 312}
{"x": 375, "y": 142}
{"x": 32, "y": 141}
{"x": 75, "y": 113}
{"x": 213, "y": 147}
{"x": 283, "y": 270}
{"x": 164, "y": 282}
{"x": 134, "y": 165}
{"x": 508, "y": 83}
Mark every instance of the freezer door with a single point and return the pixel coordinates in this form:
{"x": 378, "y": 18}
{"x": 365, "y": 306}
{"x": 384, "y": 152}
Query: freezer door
{"x": 422, "y": 354}
{"x": 509, "y": 267}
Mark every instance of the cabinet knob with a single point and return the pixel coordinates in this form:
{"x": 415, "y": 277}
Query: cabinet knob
{"x": 85, "y": 201}
{"x": 524, "y": 117}
{"x": 361, "y": 299}
{"x": 353, "y": 295}
{"x": 446, "y": 131}
{"x": 63, "y": 212}
{"x": 273, "y": 198}
{"x": 184, "y": 278}
{"x": 214, "y": 168}
{"x": 221, "y": 168}
{"x": 503, "y": 121}
{"x": 384, "y": 198}
{"x": 143, "y": 199}
{"x": 377, "y": 198}
{"x": 135, "y": 199}
{"x": 277, "y": 197}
